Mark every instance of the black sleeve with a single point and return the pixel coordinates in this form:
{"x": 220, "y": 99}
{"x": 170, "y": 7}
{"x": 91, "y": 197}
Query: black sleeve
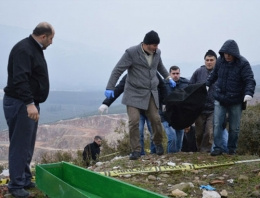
{"x": 119, "y": 89}
{"x": 162, "y": 89}
{"x": 84, "y": 154}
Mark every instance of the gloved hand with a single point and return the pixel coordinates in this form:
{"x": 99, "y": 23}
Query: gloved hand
{"x": 109, "y": 93}
{"x": 207, "y": 88}
{"x": 172, "y": 83}
{"x": 163, "y": 108}
{"x": 247, "y": 98}
{"x": 103, "y": 108}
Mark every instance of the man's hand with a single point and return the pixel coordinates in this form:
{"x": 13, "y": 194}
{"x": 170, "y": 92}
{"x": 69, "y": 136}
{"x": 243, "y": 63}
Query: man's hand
{"x": 109, "y": 93}
{"x": 172, "y": 83}
{"x": 33, "y": 112}
{"x": 163, "y": 108}
{"x": 103, "y": 108}
{"x": 247, "y": 98}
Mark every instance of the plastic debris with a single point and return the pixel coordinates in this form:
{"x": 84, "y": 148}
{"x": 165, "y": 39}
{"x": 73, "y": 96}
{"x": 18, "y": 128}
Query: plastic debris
{"x": 207, "y": 187}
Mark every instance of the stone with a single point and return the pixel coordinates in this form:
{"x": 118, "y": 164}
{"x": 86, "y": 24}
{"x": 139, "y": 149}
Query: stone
{"x": 152, "y": 177}
{"x": 183, "y": 186}
{"x": 178, "y": 193}
{"x": 224, "y": 193}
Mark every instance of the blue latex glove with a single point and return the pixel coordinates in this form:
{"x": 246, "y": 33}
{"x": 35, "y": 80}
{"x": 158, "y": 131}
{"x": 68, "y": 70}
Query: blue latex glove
{"x": 207, "y": 187}
{"x": 172, "y": 83}
{"x": 109, "y": 93}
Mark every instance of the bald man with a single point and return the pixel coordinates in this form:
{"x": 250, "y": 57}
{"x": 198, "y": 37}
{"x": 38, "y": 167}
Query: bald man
{"x": 27, "y": 87}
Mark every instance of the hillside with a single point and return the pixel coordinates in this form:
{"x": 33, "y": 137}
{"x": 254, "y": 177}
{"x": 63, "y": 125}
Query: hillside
{"x": 71, "y": 135}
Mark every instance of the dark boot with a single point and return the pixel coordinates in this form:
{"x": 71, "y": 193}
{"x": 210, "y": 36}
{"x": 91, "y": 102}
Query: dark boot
{"x": 19, "y": 192}
{"x": 159, "y": 149}
{"x": 134, "y": 155}
{"x": 216, "y": 153}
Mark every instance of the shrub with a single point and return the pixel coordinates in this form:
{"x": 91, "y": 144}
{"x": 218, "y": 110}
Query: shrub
{"x": 249, "y": 137}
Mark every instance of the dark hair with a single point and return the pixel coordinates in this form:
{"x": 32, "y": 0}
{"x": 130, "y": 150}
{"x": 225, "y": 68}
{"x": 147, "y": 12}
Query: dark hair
{"x": 97, "y": 137}
{"x": 43, "y": 28}
{"x": 174, "y": 68}
{"x": 210, "y": 53}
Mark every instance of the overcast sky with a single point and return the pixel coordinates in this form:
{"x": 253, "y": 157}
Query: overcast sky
{"x": 187, "y": 28}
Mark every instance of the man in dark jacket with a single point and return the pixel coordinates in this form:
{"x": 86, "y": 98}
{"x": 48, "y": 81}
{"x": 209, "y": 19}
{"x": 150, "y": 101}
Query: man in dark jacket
{"x": 174, "y": 136}
{"x": 235, "y": 84}
{"x": 92, "y": 150}
{"x": 204, "y": 123}
{"x": 27, "y": 86}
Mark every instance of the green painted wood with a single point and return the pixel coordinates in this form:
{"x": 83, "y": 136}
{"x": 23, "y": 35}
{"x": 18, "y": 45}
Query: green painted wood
{"x": 65, "y": 180}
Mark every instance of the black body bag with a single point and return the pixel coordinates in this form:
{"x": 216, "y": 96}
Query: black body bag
{"x": 183, "y": 106}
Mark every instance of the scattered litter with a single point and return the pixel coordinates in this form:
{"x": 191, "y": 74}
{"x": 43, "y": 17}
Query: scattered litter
{"x": 116, "y": 167}
{"x": 207, "y": 187}
{"x": 231, "y": 181}
{"x": 186, "y": 164}
{"x": 171, "y": 164}
{"x": 5, "y": 173}
{"x": 210, "y": 194}
{"x": 217, "y": 182}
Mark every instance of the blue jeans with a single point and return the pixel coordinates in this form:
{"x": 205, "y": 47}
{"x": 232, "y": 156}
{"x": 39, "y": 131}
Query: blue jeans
{"x": 142, "y": 121}
{"x": 224, "y": 141}
{"x": 234, "y": 115}
{"x": 22, "y": 136}
{"x": 175, "y": 138}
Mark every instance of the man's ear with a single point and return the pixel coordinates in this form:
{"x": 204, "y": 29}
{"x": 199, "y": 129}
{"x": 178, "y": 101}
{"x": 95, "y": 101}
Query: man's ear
{"x": 43, "y": 36}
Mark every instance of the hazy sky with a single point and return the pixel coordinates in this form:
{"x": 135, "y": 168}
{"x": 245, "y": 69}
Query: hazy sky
{"x": 103, "y": 29}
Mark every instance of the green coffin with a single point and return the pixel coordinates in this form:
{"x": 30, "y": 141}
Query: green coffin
{"x": 65, "y": 180}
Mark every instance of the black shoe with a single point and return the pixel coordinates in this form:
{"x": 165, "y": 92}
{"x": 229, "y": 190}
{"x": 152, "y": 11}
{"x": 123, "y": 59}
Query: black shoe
{"x": 134, "y": 155}
{"x": 20, "y": 193}
{"x": 30, "y": 185}
{"x": 216, "y": 153}
{"x": 231, "y": 152}
{"x": 159, "y": 149}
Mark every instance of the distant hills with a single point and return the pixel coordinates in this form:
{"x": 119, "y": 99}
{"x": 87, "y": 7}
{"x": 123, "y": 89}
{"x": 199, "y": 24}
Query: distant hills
{"x": 63, "y": 105}
{"x": 72, "y": 135}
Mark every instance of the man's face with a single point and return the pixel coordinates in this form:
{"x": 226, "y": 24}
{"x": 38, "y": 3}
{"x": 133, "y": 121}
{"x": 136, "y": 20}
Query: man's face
{"x": 98, "y": 141}
{"x": 175, "y": 74}
{"x": 152, "y": 48}
{"x": 210, "y": 62}
{"x": 46, "y": 40}
{"x": 229, "y": 57}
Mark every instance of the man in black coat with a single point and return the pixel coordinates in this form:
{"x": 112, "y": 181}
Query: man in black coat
{"x": 27, "y": 86}
{"x": 204, "y": 122}
{"x": 92, "y": 150}
{"x": 235, "y": 84}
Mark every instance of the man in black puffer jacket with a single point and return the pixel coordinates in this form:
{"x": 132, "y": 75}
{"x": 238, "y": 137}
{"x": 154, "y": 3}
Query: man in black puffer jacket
{"x": 235, "y": 84}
